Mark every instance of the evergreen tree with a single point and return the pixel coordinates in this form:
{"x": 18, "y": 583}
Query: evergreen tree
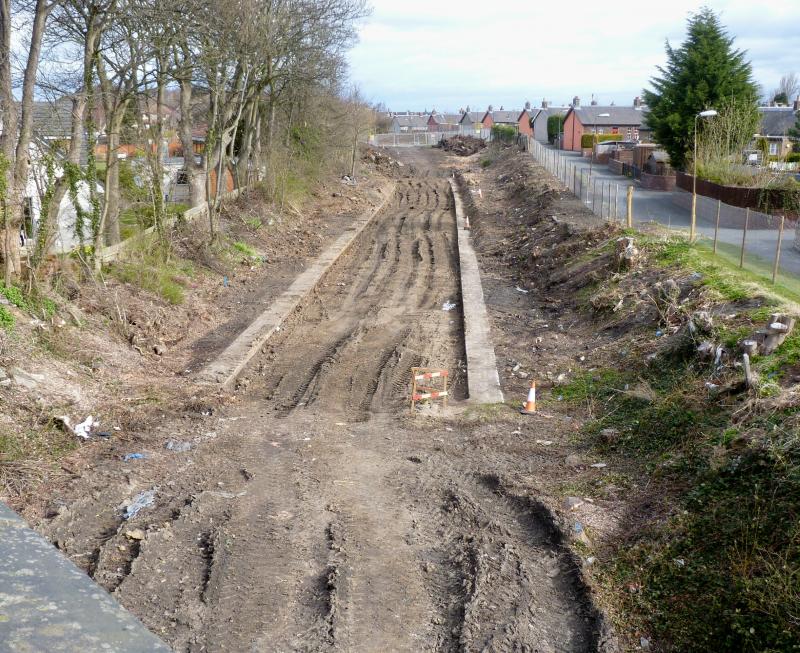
{"x": 704, "y": 72}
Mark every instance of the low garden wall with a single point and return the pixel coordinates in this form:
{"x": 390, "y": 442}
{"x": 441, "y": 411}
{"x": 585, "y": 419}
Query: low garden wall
{"x": 744, "y": 197}
{"x": 658, "y": 182}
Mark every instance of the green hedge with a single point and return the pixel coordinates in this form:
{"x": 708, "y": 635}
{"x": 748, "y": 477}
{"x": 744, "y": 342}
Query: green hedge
{"x": 555, "y": 126}
{"x": 586, "y": 139}
{"x": 505, "y": 133}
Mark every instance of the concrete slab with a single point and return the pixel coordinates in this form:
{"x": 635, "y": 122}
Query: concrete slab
{"x": 230, "y": 363}
{"x": 483, "y": 381}
{"x": 48, "y": 604}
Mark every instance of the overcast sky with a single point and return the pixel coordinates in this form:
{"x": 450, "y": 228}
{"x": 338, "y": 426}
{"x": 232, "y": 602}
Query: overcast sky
{"x": 419, "y": 54}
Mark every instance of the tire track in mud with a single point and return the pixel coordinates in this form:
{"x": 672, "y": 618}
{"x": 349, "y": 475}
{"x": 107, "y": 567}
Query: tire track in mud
{"x": 380, "y": 303}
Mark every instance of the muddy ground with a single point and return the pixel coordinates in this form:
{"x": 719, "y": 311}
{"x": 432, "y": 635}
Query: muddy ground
{"x": 310, "y": 511}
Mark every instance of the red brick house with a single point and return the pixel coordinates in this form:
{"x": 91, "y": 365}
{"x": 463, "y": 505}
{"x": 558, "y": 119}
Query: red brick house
{"x": 444, "y": 122}
{"x": 519, "y": 120}
{"x": 628, "y": 121}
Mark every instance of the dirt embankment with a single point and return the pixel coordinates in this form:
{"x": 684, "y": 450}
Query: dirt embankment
{"x": 674, "y": 466}
{"x": 123, "y": 346}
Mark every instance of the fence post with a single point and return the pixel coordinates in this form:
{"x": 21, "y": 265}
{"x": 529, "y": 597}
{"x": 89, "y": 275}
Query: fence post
{"x": 629, "y": 217}
{"x": 716, "y": 225}
{"x": 594, "y": 193}
{"x": 744, "y": 235}
{"x": 574, "y": 179}
{"x": 778, "y": 250}
{"x": 616, "y": 201}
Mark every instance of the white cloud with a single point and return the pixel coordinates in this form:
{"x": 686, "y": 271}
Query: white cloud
{"x": 416, "y": 54}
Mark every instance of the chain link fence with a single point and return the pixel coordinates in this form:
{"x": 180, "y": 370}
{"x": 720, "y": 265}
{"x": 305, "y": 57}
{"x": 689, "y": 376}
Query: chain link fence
{"x": 766, "y": 245}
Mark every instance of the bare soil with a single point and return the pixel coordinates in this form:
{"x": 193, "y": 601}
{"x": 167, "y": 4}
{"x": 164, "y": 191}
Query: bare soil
{"x": 312, "y": 511}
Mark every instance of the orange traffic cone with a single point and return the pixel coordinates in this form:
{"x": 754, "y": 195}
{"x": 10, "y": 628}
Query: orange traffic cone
{"x": 529, "y": 407}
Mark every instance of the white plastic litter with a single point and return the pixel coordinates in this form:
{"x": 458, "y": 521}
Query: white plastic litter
{"x": 142, "y": 500}
{"x": 599, "y": 465}
{"x": 83, "y": 430}
{"x": 448, "y": 306}
{"x": 522, "y": 290}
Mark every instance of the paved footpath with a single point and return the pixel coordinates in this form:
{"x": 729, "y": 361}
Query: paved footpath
{"x": 48, "y": 604}
{"x": 660, "y": 206}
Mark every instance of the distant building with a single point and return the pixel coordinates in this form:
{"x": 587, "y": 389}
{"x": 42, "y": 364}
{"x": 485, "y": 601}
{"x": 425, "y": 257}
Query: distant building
{"x": 775, "y": 125}
{"x": 629, "y": 122}
{"x": 409, "y": 123}
{"x": 444, "y": 122}
{"x": 519, "y": 120}
{"x": 470, "y": 123}
{"x": 539, "y": 119}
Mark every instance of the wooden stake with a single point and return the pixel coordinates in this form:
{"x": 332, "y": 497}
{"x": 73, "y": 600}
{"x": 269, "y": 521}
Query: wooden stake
{"x": 778, "y": 250}
{"x": 629, "y": 217}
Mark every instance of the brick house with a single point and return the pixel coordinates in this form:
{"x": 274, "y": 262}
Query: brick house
{"x": 630, "y": 122}
{"x": 775, "y": 125}
{"x": 539, "y": 119}
{"x": 519, "y": 120}
{"x": 444, "y": 122}
{"x": 470, "y": 122}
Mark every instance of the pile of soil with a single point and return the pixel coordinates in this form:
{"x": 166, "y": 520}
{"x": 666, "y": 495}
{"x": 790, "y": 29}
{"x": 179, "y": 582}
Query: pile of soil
{"x": 462, "y": 145}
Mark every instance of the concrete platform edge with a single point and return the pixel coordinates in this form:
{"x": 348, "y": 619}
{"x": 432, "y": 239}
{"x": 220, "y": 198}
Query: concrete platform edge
{"x": 225, "y": 369}
{"x": 483, "y": 381}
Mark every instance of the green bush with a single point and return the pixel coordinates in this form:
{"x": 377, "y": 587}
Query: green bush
{"x": 6, "y": 318}
{"x": 504, "y": 133}
{"x": 555, "y": 126}
{"x": 586, "y": 139}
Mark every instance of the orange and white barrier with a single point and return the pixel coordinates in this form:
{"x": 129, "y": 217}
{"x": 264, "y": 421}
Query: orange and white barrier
{"x": 419, "y": 392}
{"x": 529, "y": 407}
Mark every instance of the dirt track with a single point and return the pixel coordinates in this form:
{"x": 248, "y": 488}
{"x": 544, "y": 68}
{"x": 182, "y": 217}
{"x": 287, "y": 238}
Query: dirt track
{"x": 314, "y": 514}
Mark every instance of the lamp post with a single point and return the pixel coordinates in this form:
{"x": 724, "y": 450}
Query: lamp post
{"x": 708, "y": 113}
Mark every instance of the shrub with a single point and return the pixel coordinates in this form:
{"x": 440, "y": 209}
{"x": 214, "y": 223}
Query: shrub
{"x": 587, "y": 139}
{"x": 6, "y": 318}
{"x": 504, "y": 133}
{"x": 555, "y": 126}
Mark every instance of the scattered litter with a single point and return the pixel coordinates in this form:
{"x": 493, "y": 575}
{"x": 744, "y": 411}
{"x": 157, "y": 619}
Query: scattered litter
{"x": 645, "y": 643}
{"x": 83, "y": 430}
{"x": 545, "y": 443}
{"x": 599, "y": 465}
{"x": 517, "y": 432}
{"x": 522, "y": 290}
{"x": 225, "y": 281}
{"x": 104, "y": 434}
{"x": 133, "y": 456}
{"x": 448, "y": 306}
{"x": 275, "y": 444}
{"x": 711, "y": 387}
{"x": 341, "y": 423}
{"x": 659, "y": 333}
{"x": 679, "y": 561}
{"x": 570, "y": 503}
{"x": 142, "y": 500}
{"x": 591, "y": 560}
{"x": 177, "y": 445}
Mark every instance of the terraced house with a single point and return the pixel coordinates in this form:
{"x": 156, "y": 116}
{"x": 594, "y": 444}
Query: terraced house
{"x": 630, "y": 122}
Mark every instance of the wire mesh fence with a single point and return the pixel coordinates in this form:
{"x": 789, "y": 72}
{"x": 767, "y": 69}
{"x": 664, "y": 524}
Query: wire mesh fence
{"x": 764, "y": 244}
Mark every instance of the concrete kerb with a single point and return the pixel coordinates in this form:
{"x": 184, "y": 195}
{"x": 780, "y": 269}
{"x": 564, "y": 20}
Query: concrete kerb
{"x": 48, "y": 604}
{"x": 229, "y": 364}
{"x": 483, "y": 381}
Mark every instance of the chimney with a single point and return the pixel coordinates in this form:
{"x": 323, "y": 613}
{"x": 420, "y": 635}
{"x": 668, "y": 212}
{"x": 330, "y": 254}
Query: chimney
{"x": 637, "y": 102}
{"x": 594, "y": 102}
{"x": 576, "y": 102}
{"x": 527, "y": 106}
{"x": 490, "y": 109}
{"x": 467, "y": 109}
{"x": 545, "y": 104}
{"x": 796, "y": 104}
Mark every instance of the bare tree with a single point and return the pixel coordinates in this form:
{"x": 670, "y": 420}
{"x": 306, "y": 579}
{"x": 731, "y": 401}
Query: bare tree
{"x": 788, "y": 88}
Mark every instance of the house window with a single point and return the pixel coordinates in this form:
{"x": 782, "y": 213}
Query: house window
{"x": 773, "y": 147}
{"x": 182, "y": 178}
{"x": 628, "y": 133}
{"x": 615, "y": 130}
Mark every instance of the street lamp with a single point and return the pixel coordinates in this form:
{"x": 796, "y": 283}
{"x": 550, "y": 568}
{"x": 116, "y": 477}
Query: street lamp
{"x": 708, "y": 113}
